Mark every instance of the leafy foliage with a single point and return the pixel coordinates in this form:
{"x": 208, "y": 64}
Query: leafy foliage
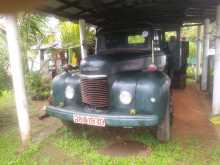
{"x": 169, "y": 34}
{"x": 190, "y": 33}
{"x": 33, "y": 30}
{"x": 191, "y": 72}
{"x": 38, "y": 87}
{"x": 70, "y": 37}
{"x": 5, "y": 81}
{"x": 137, "y": 39}
{"x": 69, "y": 34}
{"x": 192, "y": 49}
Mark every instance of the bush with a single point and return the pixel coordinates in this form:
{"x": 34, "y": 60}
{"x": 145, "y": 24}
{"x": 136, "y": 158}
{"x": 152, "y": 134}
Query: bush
{"x": 38, "y": 87}
{"x": 5, "y": 80}
{"x": 191, "y": 72}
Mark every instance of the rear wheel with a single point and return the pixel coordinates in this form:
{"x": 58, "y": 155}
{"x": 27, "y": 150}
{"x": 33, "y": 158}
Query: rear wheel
{"x": 164, "y": 128}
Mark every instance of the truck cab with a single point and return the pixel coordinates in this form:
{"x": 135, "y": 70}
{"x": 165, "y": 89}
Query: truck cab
{"x": 124, "y": 84}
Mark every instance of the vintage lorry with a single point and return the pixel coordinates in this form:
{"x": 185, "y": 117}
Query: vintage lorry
{"x": 126, "y": 83}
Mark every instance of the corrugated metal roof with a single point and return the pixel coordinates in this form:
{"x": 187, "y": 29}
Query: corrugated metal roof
{"x": 133, "y": 12}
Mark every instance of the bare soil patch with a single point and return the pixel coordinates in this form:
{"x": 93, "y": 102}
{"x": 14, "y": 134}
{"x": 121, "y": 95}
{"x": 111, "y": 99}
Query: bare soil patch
{"x": 126, "y": 148}
{"x": 191, "y": 113}
{"x": 54, "y": 155}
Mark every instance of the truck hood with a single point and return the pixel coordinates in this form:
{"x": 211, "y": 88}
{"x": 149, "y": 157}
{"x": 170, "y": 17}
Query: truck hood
{"x": 106, "y": 63}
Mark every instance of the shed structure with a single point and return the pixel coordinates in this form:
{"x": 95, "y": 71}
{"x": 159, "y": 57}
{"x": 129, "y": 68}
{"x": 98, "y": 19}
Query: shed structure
{"x": 165, "y": 14}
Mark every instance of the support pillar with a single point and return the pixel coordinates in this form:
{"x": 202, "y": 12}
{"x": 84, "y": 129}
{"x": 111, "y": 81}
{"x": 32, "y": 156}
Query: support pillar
{"x": 205, "y": 55}
{"x": 216, "y": 82}
{"x": 82, "y": 38}
{"x": 178, "y": 34}
{"x": 198, "y": 53}
{"x": 17, "y": 78}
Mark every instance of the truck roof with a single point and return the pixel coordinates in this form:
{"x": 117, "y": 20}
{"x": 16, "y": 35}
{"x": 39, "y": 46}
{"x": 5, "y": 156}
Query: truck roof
{"x": 138, "y": 13}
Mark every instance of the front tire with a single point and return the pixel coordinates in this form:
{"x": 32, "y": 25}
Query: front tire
{"x": 164, "y": 128}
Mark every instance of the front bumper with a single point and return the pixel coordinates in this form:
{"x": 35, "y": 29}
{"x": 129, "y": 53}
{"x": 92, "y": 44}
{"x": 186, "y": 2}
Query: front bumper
{"x": 112, "y": 118}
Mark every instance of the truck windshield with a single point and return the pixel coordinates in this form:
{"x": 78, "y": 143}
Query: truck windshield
{"x": 125, "y": 40}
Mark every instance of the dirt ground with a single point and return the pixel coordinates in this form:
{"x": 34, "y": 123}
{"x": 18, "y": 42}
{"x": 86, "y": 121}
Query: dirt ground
{"x": 191, "y": 112}
{"x": 42, "y": 128}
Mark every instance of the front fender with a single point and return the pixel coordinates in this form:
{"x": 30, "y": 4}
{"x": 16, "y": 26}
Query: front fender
{"x": 59, "y": 84}
{"x": 153, "y": 93}
{"x": 58, "y": 87}
{"x": 150, "y": 91}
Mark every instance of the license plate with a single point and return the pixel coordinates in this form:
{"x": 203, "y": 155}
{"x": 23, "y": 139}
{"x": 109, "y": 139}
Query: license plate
{"x": 95, "y": 121}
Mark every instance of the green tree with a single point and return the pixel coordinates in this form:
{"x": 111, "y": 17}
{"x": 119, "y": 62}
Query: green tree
{"x": 69, "y": 34}
{"x": 190, "y": 33}
{"x": 5, "y": 82}
{"x": 70, "y": 37}
{"x": 33, "y": 30}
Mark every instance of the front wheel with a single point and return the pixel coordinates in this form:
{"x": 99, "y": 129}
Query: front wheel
{"x": 164, "y": 128}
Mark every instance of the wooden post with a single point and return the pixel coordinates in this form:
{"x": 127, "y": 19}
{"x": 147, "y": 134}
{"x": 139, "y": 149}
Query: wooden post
{"x": 198, "y": 53}
{"x": 82, "y": 38}
{"x": 205, "y": 55}
{"x": 17, "y": 78}
{"x": 216, "y": 83}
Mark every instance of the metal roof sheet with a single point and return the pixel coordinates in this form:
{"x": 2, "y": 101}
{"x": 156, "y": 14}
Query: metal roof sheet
{"x": 119, "y": 13}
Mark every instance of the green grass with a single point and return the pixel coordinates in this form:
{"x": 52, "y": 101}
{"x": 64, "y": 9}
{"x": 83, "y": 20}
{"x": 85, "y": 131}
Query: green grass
{"x": 83, "y": 146}
{"x": 6, "y": 100}
{"x": 172, "y": 153}
{"x": 216, "y": 156}
{"x": 85, "y": 149}
{"x": 9, "y": 138}
{"x": 9, "y": 144}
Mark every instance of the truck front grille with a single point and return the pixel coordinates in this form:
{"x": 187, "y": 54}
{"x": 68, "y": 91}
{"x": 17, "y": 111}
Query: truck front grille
{"x": 94, "y": 92}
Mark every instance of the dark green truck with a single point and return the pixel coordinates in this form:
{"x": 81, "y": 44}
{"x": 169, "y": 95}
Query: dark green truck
{"x": 126, "y": 83}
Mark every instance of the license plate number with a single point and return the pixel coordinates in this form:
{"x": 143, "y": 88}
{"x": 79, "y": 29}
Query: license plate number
{"x": 95, "y": 121}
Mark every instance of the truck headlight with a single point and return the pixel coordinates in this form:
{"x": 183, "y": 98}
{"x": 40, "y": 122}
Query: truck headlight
{"x": 125, "y": 97}
{"x": 69, "y": 92}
